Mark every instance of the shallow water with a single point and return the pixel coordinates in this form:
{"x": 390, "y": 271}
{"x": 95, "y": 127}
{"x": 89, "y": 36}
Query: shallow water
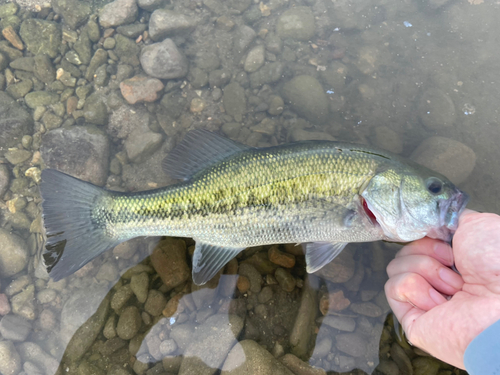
{"x": 386, "y": 73}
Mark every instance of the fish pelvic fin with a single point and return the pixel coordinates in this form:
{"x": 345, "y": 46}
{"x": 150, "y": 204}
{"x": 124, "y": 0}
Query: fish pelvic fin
{"x": 74, "y": 237}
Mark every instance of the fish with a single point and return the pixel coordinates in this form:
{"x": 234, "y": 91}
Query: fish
{"x": 321, "y": 194}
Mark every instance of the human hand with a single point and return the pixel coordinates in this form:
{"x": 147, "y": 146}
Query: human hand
{"x": 420, "y": 280}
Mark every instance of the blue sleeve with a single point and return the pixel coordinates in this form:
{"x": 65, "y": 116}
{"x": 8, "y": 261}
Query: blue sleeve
{"x": 482, "y": 356}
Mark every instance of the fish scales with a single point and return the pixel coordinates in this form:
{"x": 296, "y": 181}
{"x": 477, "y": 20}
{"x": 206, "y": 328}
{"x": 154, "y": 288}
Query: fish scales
{"x": 248, "y": 199}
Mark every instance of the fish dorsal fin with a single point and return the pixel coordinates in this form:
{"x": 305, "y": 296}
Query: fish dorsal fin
{"x": 319, "y": 254}
{"x": 199, "y": 149}
{"x": 209, "y": 259}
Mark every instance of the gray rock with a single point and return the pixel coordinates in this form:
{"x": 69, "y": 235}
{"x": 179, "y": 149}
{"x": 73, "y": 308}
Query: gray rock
{"x": 167, "y": 347}
{"x": 31, "y": 352}
{"x": 93, "y": 31}
{"x": 100, "y": 57}
{"x": 436, "y": 109}
{"x": 17, "y": 156}
{"x": 302, "y": 331}
{"x": 23, "y": 303}
{"x": 285, "y": 279}
{"x": 11, "y": 361}
{"x": 4, "y": 179}
{"x": 74, "y": 12}
{"x": 82, "y": 151}
{"x": 342, "y": 323}
{"x": 40, "y": 98}
{"x": 140, "y": 145}
{"x": 94, "y": 110}
{"x": 44, "y": 69}
{"x": 19, "y": 90}
{"x": 306, "y": 97}
{"x": 446, "y": 156}
{"x": 8, "y": 9}
{"x": 255, "y": 59}
{"x": 41, "y": 36}
{"x": 129, "y": 323}
{"x": 234, "y": 100}
{"x": 15, "y": 328}
{"x": 86, "y": 334}
{"x": 211, "y": 344}
{"x": 269, "y": 73}
{"x": 183, "y": 335}
{"x": 296, "y": 23}
{"x": 127, "y": 119}
{"x": 165, "y": 22}
{"x": 242, "y": 40}
{"x": 219, "y": 77}
{"x": 249, "y": 271}
{"x": 139, "y": 284}
{"x": 352, "y": 344}
{"x": 151, "y": 5}
{"x": 164, "y": 60}
{"x": 155, "y": 303}
{"x": 127, "y": 50}
{"x": 366, "y": 309}
{"x": 118, "y": 12}
{"x": 130, "y": 31}
{"x": 14, "y": 122}
{"x": 14, "y": 254}
{"x": 248, "y": 357}
{"x": 23, "y": 63}
{"x": 83, "y": 50}
{"x": 121, "y": 296}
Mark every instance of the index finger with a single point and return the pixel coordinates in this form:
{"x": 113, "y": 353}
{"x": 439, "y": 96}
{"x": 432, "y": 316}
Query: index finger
{"x": 436, "y": 249}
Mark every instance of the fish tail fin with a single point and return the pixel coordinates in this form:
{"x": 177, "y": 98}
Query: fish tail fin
{"x": 74, "y": 236}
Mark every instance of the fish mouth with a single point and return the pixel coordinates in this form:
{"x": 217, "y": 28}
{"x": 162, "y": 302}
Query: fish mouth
{"x": 450, "y": 209}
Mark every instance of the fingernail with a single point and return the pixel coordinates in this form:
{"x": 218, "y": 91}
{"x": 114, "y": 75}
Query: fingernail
{"x": 443, "y": 251}
{"x": 436, "y": 296}
{"x": 451, "y": 278}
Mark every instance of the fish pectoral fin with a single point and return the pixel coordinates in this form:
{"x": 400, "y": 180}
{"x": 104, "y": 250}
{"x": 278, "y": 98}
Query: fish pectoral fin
{"x": 209, "y": 259}
{"x": 319, "y": 254}
{"x": 198, "y": 150}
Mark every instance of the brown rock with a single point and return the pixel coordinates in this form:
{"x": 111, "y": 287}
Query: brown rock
{"x": 10, "y": 34}
{"x": 334, "y": 301}
{"x": 169, "y": 261}
{"x": 172, "y": 306}
{"x": 71, "y": 104}
{"x": 243, "y": 284}
{"x": 340, "y": 270}
{"x": 280, "y": 258}
{"x": 4, "y": 305}
{"x": 141, "y": 89}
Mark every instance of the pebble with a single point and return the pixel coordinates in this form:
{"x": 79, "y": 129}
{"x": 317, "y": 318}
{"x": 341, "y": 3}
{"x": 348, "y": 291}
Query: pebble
{"x": 10, "y": 34}
{"x": 387, "y": 367}
{"x": 285, "y": 279}
{"x": 4, "y": 305}
{"x": 388, "y": 139}
{"x": 253, "y": 276}
{"x": 31, "y": 352}
{"x": 446, "y": 156}
{"x": 333, "y": 301}
{"x": 255, "y": 59}
{"x": 13, "y": 254}
{"x": 121, "y": 296}
{"x": 243, "y": 284}
{"x": 366, "y": 309}
{"x": 11, "y": 361}
{"x": 165, "y": 23}
{"x": 299, "y": 367}
{"x": 15, "y": 328}
{"x": 141, "y": 89}
{"x": 41, "y": 37}
{"x": 197, "y": 105}
{"x": 399, "y": 356}
{"x": 265, "y": 295}
{"x": 169, "y": 261}
{"x": 167, "y": 347}
{"x": 280, "y": 258}
{"x": 243, "y": 38}
{"x": 182, "y": 334}
{"x": 307, "y": 97}
{"x": 234, "y": 100}
{"x": 47, "y": 320}
{"x": 173, "y": 62}
{"x": 425, "y": 366}
{"x": 4, "y": 179}
{"x": 155, "y": 302}
{"x": 46, "y": 295}
{"x": 352, "y": 344}
{"x": 436, "y": 109}
{"x": 129, "y": 323}
{"x": 296, "y": 23}
{"x": 268, "y": 73}
{"x": 342, "y": 323}
{"x": 300, "y": 335}
{"x": 340, "y": 270}
{"x": 140, "y": 284}
{"x": 118, "y": 12}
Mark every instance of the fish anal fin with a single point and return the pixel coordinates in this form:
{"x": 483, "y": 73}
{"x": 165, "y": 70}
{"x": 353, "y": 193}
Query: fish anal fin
{"x": 319, "y": 254}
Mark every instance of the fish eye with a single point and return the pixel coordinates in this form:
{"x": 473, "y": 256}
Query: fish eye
{"x": 434, "y": 185}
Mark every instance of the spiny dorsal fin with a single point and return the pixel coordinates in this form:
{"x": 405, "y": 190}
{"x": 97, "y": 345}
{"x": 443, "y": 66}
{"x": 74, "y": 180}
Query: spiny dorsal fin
{"x": 198, "y": 150}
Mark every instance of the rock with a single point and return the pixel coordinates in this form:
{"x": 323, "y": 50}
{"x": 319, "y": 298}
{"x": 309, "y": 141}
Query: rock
{"x": 74, "y": 12}
{"x": 129, "y": 323}
{"x": 128, "y": 51}
{"x": 10, "y": 363}
{"x": 13, "y": 254}
{"x": 23, "y": 63}
{"x": 41, "y": 36}
{"x": 280, "y": 258}
{"x": 248, "y": 357}
{"x": 302, "y": 331}
{"x": 197, "y": 105}
{"x": 164, "y": 60}
{"x": 139, "y": 146}
{"x": 253, "y": 276}
{"x": 243, "y": 284}
{"x": 8, "y": 9}
{"x": 82, "y": 50}
{"x": 155, "y": 303}
{"x": 165, "y": 22}
{"x": 51, "y": 120}
{"x": 141, "y": 89}
{"x": 15, "y": 328}
{"x": 342, "y": 323}
{"x": 234, "y": 100}
{"x": 126, "y": 119}
{"x": 82, "y": 151}
{"x": 31, "y": 352}
{"x": 211, "y": 343}
{"x": 198, "y": 77}
{"x": 18, "y": 90}
{"x": 16, "y": 156}
{"x": 446, "y": 156}
{"x": 276, "y": 105}
{"x": 169, "y": 261}
{"x": 14, "y": 122}
{"x": 387, "y": 367}
{"x": 44, "y": 69}
{"x": 340, "y": 270}
{"x": 425, "y": 366}
{"x": 40, "y": 98}
{"x": 218, "y": 77}
{"x": 23, "y": 303}
{"x": 118, "y": 12}
{"x": 285, "y": 279}
{"x": 388, "y": 139}
{"x": 353, "y": 344}
{"x": 333, "y": 301}
{"x": 121, "y": 297}
{"x": 401, "y": 358}
{"x": 183, "y": 334}
{"x": 436, "y": 109}
{"x": 4, "y": 179}
{"x": 296, "y": 23}
{"x": 139, "y": 284}
{"x": 100, "y": 58}
{"x": 109, "y": 43}
{"x": 366, "y": 309}
{"x": 108, "y": 272}
{"x": 94, "y": 110}
{"x": 299, "y": 367}
{"x": 4, "y": 305}
{"x": 306, "y": 97}
{"x": 151, "y": 5}
{"x": 255, "y": 59}
{"x": 243, "y": 38}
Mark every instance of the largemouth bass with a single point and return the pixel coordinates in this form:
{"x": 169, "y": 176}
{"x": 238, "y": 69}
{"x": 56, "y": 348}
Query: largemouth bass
{"x": 318, "y": 193}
